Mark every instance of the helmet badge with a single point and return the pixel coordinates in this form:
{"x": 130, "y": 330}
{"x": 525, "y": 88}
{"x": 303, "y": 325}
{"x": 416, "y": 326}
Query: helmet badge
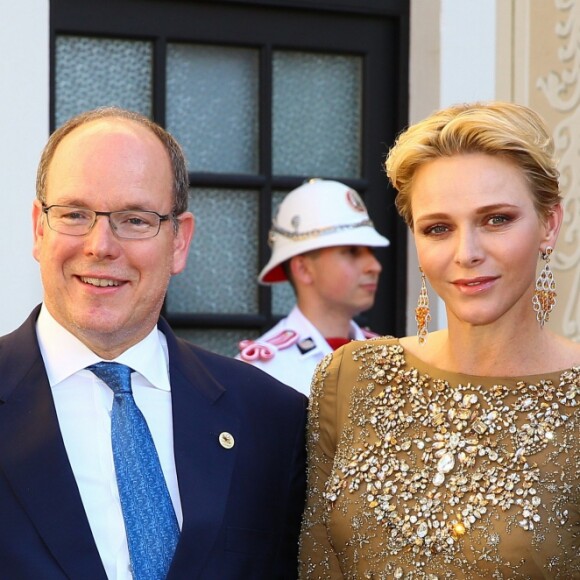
{"x": 354, "y": 200}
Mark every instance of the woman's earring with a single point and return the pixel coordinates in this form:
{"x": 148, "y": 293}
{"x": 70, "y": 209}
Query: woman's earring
{"x": 422, "y": 312}
{"x": 545, "y": 292}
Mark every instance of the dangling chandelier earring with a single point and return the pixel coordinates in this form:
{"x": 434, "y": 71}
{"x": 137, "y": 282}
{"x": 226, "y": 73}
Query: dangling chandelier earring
{"x": 545, "y": 292}
{"x": 422, "y": 312}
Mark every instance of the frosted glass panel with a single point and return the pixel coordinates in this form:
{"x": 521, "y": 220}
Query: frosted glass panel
{"x": 277, "y": 198}
{"x": 222, "y": 267}
{"x": 94, "y": 72}
{"x": 316, "y": 114}
{"x": 283, "y": 298}
{"x": 212, "y": 106}
{"x": 222, "y": 341}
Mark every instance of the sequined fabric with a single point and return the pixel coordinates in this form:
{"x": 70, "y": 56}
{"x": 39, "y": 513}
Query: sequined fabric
{"x": 416, "y": 473}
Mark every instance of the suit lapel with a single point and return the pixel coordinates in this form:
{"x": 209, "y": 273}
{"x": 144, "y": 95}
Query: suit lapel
{"x": 204, "y": 465}
{"x": 34, "y": 460}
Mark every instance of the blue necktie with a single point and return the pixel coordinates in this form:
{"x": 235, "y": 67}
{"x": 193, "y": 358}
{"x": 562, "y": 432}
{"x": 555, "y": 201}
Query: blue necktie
{"x": 150, "y": 523}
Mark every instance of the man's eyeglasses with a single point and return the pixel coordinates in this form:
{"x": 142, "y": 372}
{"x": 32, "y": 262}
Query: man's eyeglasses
{"x": 79, "y": 221}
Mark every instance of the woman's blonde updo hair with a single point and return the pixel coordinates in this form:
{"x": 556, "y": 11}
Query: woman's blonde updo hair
{"x": 512, "y": 132}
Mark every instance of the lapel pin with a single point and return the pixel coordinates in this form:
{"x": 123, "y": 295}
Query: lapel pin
{"x": 226, "y": 440}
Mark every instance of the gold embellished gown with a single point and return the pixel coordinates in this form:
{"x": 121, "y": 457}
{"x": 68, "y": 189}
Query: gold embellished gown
{"x": 418, "y": 473}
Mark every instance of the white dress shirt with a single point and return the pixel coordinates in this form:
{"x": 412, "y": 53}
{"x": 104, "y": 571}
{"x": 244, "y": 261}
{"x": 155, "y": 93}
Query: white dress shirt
{"x": 83, "y": 404}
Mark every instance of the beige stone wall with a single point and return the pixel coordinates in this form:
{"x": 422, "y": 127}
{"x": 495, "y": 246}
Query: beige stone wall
{"x": 546, "y": 77}
{"x": 537, "y": 63}
{"x": 424, "y": 81}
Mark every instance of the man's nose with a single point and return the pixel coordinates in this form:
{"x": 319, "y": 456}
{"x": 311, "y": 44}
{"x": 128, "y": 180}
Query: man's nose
{"x": 101, "y": 240}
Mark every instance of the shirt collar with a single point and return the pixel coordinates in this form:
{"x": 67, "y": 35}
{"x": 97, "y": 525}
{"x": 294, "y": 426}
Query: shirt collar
{"x": 64, "y": 354}
{"x": 297, "y": 320}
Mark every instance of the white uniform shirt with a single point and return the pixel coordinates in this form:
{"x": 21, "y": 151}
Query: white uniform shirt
{"x": 83, "y": 405}
{"x": 294, "y": 365}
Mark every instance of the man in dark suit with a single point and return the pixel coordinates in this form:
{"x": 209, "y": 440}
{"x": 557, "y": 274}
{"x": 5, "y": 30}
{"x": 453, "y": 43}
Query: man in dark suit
{"x": 111, "y": 227}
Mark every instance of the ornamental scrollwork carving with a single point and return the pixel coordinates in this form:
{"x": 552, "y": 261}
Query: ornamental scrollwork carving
{"x": 562, "y": 91}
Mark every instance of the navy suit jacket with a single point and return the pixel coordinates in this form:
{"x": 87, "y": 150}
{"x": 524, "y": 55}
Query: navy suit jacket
{"x": 241, "y": 506}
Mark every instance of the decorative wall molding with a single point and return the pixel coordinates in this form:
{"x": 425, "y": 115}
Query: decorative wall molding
{"x": 561, "y": 88}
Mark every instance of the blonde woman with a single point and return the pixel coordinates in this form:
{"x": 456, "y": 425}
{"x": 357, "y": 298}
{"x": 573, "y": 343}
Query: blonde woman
{"x": 456, "y": 454}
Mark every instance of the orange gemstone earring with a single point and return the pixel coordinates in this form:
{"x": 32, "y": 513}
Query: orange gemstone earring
{"x": 422, "y": 312}
{"x": 545, "y": 292}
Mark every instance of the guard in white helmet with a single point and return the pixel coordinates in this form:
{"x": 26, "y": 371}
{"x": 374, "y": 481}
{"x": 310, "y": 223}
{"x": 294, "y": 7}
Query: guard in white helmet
{"x": 321, "y": 242}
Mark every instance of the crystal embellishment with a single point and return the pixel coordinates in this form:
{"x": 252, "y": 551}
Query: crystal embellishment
{"x": 446, "y": 463}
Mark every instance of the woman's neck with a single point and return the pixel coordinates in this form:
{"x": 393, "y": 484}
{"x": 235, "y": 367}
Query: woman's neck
{"x": 494, "y": 351}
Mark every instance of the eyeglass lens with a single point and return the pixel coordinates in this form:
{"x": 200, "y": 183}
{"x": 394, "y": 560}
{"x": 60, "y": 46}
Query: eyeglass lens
{"x": 126, "y": 224}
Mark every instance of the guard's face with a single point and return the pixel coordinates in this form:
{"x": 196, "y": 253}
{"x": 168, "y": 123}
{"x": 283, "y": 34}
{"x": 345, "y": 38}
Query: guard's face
{"x": 105, "y": 290}
{"x": 344, "y": 278}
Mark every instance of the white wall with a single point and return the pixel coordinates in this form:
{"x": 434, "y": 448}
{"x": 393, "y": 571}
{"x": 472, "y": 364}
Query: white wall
{"x": 468, "y": 51}
{"x": 24, "y": 113}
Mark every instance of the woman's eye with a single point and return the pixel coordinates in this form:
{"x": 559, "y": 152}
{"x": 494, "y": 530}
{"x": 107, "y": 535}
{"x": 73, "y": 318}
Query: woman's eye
{"x": 437, "y": 229}
{"x": 498, "y": 219}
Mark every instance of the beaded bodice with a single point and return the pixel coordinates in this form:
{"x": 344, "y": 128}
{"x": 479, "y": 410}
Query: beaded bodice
{"x": 416, "y": 473}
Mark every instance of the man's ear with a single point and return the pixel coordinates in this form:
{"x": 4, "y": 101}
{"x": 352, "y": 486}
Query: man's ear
{"x": 182, "y": 241}
{"x": 38, "y": 225}
{"x": 301, "y": 268}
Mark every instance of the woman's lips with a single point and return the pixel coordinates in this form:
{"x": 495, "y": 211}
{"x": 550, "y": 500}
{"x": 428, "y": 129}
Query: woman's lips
{"x": 475, "y": 285}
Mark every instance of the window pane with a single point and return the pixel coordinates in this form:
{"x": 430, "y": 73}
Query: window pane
{"x": 316, "y": 114}
{"x": 94, "y": 72}
{"x": 223, "y": 341}
{"x": 222, "y": 267}
{"x": 212, "y": 106}
{"x": 283, "y": 299}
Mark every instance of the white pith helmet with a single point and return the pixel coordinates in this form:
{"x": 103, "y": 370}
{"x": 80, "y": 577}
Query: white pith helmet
{"x": 318, "y": 214}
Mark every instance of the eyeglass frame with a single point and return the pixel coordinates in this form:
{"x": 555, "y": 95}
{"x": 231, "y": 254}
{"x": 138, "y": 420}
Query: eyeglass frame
{"x": 162, "y": 218}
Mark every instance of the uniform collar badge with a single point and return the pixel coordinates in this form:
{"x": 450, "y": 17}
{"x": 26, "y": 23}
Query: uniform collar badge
{"x": 306, "y": 345}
